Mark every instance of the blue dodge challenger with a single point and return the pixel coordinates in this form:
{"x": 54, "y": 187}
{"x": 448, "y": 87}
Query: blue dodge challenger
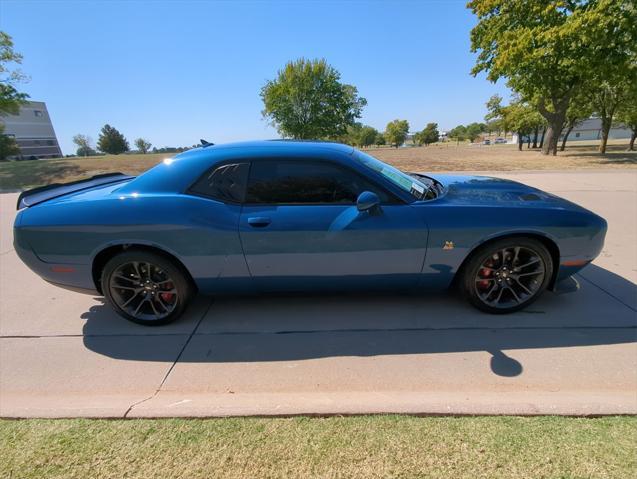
{"x": 299, "y": 216}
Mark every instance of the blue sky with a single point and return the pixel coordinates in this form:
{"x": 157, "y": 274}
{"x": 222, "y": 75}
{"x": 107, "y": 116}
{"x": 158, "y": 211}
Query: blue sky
{"x": 174, "y": 72}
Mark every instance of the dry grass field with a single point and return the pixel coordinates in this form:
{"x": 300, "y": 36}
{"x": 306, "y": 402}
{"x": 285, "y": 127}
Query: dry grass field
{"x": 19, "y": 175}
{"x": 449, "y": 157}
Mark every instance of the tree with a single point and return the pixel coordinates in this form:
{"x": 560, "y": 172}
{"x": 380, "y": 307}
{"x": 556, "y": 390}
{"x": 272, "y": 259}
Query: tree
{"x": 459, "y": 133}
{"x": 10, "y": 98}
{"x": 111, "y": 141}
{"x": 519, "y": 117}
{"x": 8, "y": 146}
{"x": 83, "y": 143}
{"x": 579, "y": 110}
{"x": 428, "y": 135}
{"x": 396, "y": 132}
{"x": 548, "y": 49}
{"x": 611, "y": 88}
{"x": 627, "y": 114}
{"x": 367, "y": 136}
{"x": 629, "y": 119}
{"x": 380, "y": 139}
{"x": 494, "y": 113}
{"x": 142, "y": 145}
{"x": 474, "y": 130}
{"x": 307, "y": 100}
{"x": 352, "y": 134}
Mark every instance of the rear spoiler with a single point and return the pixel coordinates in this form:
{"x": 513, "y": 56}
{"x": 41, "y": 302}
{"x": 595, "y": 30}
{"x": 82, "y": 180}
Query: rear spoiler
{"x": 44, "y": 193}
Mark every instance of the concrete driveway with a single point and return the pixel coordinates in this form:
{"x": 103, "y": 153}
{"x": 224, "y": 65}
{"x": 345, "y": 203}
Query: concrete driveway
{"x": 65, "y": 354}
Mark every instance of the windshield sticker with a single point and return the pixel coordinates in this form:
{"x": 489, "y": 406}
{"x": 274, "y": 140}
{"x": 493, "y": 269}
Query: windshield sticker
{"x": 397, "y": 177}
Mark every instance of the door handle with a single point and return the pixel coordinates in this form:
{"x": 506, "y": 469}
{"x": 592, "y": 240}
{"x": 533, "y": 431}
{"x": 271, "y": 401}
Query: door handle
{"x": 259, "y": 221}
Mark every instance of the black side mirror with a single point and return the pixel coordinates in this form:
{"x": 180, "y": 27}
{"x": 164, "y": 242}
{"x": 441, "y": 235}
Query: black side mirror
{"x": 368, "y": 201}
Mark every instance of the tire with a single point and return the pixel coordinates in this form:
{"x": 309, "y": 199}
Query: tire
{"x": 500, "y": 287}
{"x": 150, "y": 299}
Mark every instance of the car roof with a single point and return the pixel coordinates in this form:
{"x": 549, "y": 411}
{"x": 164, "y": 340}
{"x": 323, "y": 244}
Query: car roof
{"x": 173, "y": 174}
{"x": 269, "y": 147}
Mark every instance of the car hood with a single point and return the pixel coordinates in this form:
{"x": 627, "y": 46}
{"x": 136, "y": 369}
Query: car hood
{"x": 486, "y": 190}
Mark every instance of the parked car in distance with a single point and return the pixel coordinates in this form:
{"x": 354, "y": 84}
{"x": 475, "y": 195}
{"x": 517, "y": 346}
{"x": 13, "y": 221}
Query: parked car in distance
{"x": 486, "y": 142}
{"x": 299, "y": 216}
{"x": 500, "y": 141}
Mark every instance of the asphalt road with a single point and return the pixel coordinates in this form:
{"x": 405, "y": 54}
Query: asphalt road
{"x": 65, "y": 354}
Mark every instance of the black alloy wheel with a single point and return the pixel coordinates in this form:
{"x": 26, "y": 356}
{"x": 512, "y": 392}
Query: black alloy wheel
{"x": 146, "y": 288}
{"x": 507, "y": 275}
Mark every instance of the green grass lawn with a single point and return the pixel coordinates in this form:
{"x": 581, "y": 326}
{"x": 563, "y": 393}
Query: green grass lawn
{"x": 365, "y": 446}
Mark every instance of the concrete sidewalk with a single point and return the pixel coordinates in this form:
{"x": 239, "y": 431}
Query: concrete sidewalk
{"x": 64, "y": 354}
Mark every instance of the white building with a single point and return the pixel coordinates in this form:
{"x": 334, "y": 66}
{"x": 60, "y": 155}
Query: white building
{"x": 33, "y": 131}
{"x": 591, "y": 129}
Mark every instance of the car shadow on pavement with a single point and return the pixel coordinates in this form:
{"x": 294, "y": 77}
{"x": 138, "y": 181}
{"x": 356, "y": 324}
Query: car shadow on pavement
{"x": 298, "y": 327}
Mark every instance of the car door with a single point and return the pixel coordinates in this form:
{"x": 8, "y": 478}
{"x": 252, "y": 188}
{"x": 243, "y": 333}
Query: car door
{"x": 300, "y": 228}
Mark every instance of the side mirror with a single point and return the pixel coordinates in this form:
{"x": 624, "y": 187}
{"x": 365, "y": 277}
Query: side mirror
{"x": 367, "y": 201}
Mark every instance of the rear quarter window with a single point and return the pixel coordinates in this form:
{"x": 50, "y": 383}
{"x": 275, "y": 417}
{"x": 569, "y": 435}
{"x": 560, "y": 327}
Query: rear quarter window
{"x": 225, "y": 183}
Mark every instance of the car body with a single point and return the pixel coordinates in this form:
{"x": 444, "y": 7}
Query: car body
{"x": 499, "y": 141}
{"x": 234, "y": 218}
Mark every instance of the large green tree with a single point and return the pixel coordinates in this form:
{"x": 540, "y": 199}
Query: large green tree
{"x": 548, "y": 49}
{"x": 111, "y": 141}
{"x": 307, "y": 100}
{"x": 396, "y": 132}
{"x": 367, "y": 136}
{"x": 611, "y": 88}
{"x": 428, "y": 135}
{"x": 10, "y": 77}
{"x": 518, "y": 117}
{"x": 352, "y": 134}
{"x": 143, "y": 145}
{"x": 521, "y": 118}
{"x": 627, "y": 114}
{"x": 459, "y": 133}
{"x": 8, "y": 146}
{"x": 474, "y": 130}
{"x": 83, "y": 143}
{"x": 494, "y": 114}
{"x": 580, "y": 109}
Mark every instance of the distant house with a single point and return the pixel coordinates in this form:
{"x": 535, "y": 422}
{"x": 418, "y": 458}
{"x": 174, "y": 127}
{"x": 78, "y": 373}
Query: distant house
{"x": 591, "y": 129}
{"x": 33, "y": 131}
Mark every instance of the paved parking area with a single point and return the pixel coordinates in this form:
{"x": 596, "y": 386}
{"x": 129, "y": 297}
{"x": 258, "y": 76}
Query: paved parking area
{"x": 65, "y": 354}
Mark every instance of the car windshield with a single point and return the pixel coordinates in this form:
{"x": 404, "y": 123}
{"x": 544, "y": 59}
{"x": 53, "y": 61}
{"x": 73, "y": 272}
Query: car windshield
{"x": 411, "y": 184}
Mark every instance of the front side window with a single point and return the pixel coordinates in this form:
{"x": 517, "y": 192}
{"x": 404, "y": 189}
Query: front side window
{"x": 226, "y": 183}
{"x": 305, "y": 182}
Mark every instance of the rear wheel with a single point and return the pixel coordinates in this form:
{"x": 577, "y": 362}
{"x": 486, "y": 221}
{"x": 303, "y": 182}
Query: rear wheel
{"x": 146, "y": 288}
{"x": 507, "y": 275}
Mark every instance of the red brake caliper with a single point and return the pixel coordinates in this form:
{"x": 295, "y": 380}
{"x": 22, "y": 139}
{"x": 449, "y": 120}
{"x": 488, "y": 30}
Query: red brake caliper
{"x": 168, "y": 297}
{"x": 485, "y": 273}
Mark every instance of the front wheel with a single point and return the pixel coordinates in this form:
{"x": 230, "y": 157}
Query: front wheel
{"x": 507, "y": 275}
{"x": 146, "y": 288}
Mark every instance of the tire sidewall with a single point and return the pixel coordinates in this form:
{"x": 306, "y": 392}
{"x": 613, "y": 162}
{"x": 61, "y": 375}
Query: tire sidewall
{"x": 181, "y": 282}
